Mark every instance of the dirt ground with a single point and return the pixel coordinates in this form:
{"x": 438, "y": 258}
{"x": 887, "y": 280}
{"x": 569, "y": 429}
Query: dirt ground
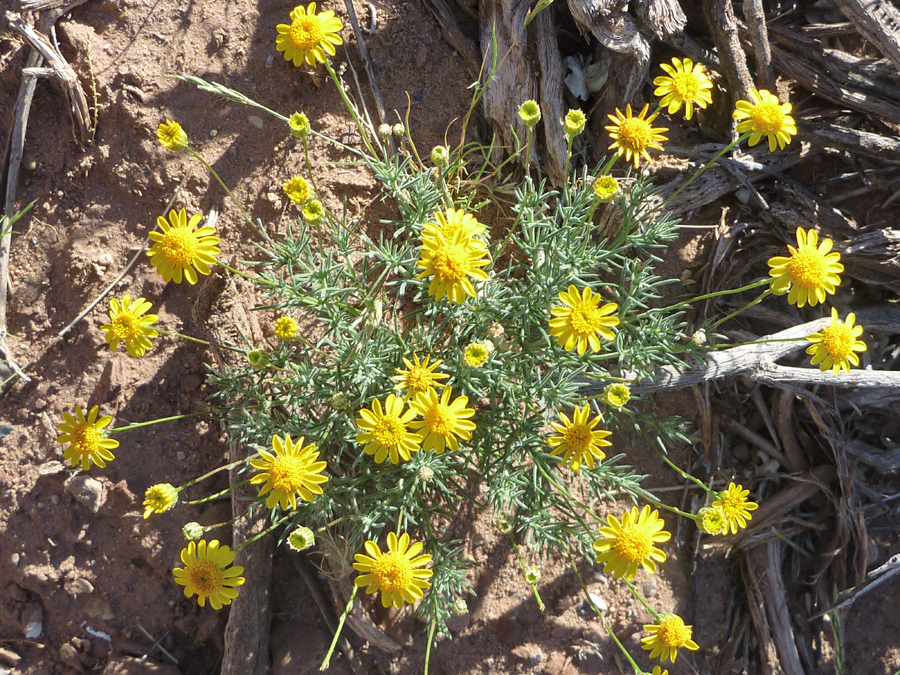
{"x": 85, "y": 581}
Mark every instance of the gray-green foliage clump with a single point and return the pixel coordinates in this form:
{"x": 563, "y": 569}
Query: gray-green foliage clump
{"x": 365, "y": 309}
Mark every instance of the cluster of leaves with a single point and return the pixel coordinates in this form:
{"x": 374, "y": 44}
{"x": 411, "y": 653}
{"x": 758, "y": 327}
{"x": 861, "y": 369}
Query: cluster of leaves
{"x": 364, "y": 309}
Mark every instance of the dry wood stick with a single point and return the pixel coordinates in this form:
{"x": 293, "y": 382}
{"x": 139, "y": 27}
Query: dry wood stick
{"x": 755, "y": 16}
{"x": 723, "y": 25}
{"x": 757, "y": 361}
{"x": 879, "y": 22}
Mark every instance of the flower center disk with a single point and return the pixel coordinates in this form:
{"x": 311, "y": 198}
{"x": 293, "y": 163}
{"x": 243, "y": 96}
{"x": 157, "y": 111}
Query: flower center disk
{"x": 585, "y": 319}
{"x": 393, "y": 572}
{"x": 85, "y": 440}
{"x": 205, "y": 577}
{"x": 389, "y": 431}
{"x": 633, "y": 546}
{"x": 179, "y": 246}
{"x": 125, "y": 326}
{"x": 635, "y": 133}
{"x": 440, "y": 419}
{"x": 578, "y": 437}
{"x": 673, "y": 632}
{"x": 768, "y": 117}
{"x": 838, "y": 340}
{"x": 685, "y": 85}
{"x": 306, "y": 31}
{"x": 451, "y": 263}
{"x": 286, "y": 473}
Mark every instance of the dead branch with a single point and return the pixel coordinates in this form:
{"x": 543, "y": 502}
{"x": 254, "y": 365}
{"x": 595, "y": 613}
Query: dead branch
{"x": 878, "y": 22}
{"x": 874, "y": 146}
{"x": 78, "y": 104}
{"x": 758, "y": 361}
{"x": 818, "y": 80}
{"x": 755, "y": 16}
{"x": 723, "y": 26}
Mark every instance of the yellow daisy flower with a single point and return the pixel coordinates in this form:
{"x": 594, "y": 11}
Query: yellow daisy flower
{"x": 450, "y": 263}
{"x": 207, "y": 573}
{"x": 178, "y": 248}
{"x": 605, "y": 189}
{"x": 384, "y": 430}
{"x": 736, "y": 507}
{"x": 530, "y": 113}
{"x": 160, "y": 498}
{"x": 579, "y": 440}
{"x": 477, "y": 353}
{"x": 765, "y": 116}
{"x": 617, "y": 394}
{"x": 128, "y": 325}
{"x": 290, "y": 471}
{"x": 442, "y": 422}
{"x": 578, "y": 324}
{"x": 632, "y": 136}
{"x": 811, "y": 271}
{"x": 659, "y": 671}
{"x": 297, "y": 190}
{"x": 418, "y": 377}
{"x": 666, "y": 636}
{"x": 451, "y": 222}
{"x": 171, "y": 136}
{"x": 287, "y": 328}
{"x": 712, "y": 520}
{"x": 835, "y": 346}
{"x": 686, "y": 82}
{"x": 624, "y": 547}
{"x": 310, "y": 37}
{"x": 87, "y": 442}
{"x": 395, "y": 572}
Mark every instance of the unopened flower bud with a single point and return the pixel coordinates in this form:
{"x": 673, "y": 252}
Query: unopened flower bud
{"x": 532, "y": 574}
{"x": 440, "y": 156}
{"x": 699, "y": 337}
{"x": 258, "y": 358}
{"x": 193, "y": 531}
{"x": 301, "y": 539}
{"x": 459, "y": 607}
{"x": 398, "y": 130}
{"x": 384, "y": 130}
{"x": 340, "y": 401}
{"x": 426, "y": 474}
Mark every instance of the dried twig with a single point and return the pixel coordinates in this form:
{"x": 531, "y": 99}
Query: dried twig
{"x": 755, "y": 16}
{"x": 723, "y": 26}
{"x": 878, "y": 22}
{"x": 757, "y": 361}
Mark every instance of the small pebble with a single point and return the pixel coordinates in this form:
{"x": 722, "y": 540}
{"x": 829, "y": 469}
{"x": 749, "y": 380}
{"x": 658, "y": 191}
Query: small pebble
{"x": 270, "y": 60}
{"x": 15, "y": 558}
{"x": 180, "y": 455}
{"x": 256, "y": 121}
{"x": 598, "y": 601}
{"x": 743, "y": 196}
{"x": 649, "y": 587}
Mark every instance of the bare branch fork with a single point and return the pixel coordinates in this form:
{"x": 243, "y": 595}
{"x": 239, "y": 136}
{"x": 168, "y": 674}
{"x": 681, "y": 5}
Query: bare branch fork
{"x": 758, "y": 361}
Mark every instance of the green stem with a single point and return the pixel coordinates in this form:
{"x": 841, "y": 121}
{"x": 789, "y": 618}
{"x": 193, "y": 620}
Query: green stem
{"x": 198, "y": 340}
{"x": 730, "y": 291}
{"x": 262, "y": 534}
{"x": 226, "y": 467}
{"x": 640, "y": 597}
{"x": 340, "y": 627}
{"x": 244, "y": 275}
{"x": 228, "y": 192}
{"x": 703, "y": 168}
{"x": 309, "y": 170}
{"x": 349, "y": 105}
{"x": 685, "y": 474}
{"x": 138, "y": 425}
{"x": 431, "y": 628}
{"x": 598, "y": 612}
{"x": 203, "y": 500}
{"x": 766, "y": 293}
{"x": 529, "y": 136}
{"x": 568, "y": 159}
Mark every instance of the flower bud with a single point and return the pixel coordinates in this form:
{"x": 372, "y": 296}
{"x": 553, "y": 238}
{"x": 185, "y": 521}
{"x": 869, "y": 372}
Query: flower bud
{"x": 193, "y": 531}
